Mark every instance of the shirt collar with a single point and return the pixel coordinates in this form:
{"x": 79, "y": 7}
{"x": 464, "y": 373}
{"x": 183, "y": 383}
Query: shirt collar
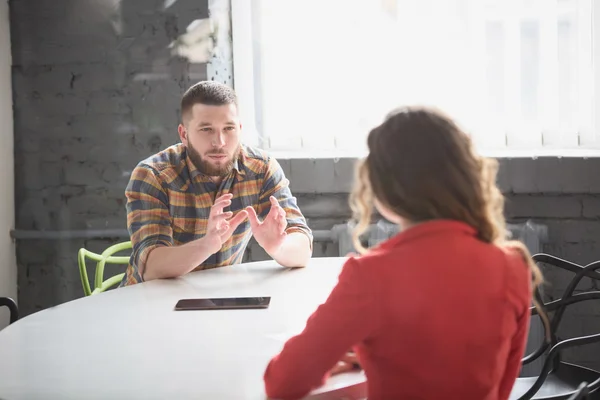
{"x": 428, "y": 228}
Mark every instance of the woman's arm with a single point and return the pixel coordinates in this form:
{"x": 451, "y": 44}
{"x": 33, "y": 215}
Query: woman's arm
{"x": 519, "y": 298}
{"x": 348, "y": 316}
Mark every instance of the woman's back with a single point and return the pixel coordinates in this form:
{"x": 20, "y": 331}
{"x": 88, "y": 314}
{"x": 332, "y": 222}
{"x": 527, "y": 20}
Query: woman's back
{"x": 451, "y": 307}
{"x": 433, "y": 313}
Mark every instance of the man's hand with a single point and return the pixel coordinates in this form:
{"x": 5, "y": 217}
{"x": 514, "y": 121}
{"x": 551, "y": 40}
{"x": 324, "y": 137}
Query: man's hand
{"x": 269, "y": 233}
{"x": 220, "y": 225}
{"x": 349, "y": 362}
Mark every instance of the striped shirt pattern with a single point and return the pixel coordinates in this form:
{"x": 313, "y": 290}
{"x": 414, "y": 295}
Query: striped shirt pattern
{"x": 169, "y": 201}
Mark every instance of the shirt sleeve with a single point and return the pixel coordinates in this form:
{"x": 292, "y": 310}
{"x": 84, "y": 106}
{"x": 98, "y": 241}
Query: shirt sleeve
{"x": 276, "y": 184}
{"x": 148, "y": 217}
{"x": 347, "y": 318}
{"x": 519, "y": 291}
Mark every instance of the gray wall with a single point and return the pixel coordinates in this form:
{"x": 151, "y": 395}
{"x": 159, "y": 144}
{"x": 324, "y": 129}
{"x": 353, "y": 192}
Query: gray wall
{"x": 96, "y": 90}
{"x": 8, "y": 266}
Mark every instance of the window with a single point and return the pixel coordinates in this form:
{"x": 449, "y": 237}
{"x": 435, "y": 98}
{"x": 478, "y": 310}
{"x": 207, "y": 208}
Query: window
{"x": 317, "y": 75}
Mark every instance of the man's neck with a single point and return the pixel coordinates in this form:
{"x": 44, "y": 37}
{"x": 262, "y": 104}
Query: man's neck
{"x": 216, "y": 179}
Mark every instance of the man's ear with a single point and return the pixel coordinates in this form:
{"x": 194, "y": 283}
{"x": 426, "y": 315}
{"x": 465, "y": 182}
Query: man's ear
{"x": 182, "y": 134}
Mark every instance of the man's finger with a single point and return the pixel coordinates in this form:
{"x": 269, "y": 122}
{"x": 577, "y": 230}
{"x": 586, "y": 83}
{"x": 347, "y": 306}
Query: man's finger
{"x": 225, "y": 215}
{"x": 222, "y": 228}
{"x": 283, "y": 235}
{"x": 252, "y": 217}
{"x": 281, "y": 225}
{"x": 275, "y": 207}
{"x": 218, "y": 207}
{"x": 226, "y": 196}
{"x": 341, "y": 367}
{"x": 277, "y": 217}
{"x": 350, "y": 358}
{"x": 221, "y": 203}
{"x": 236, "y": 221}
{"x": 239, "y": 218}
{"x": 274, "y": 201}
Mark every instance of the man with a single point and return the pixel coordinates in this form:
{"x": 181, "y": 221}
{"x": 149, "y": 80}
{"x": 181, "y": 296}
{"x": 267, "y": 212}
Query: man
{"x": 196, "y": 204}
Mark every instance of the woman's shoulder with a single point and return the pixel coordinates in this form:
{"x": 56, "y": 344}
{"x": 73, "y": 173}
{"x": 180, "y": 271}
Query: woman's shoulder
{"x": 518, "y": 275}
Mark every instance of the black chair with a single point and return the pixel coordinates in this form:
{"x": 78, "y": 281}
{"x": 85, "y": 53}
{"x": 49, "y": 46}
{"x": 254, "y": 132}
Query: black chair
{"x": 12, "y": 306}
{"x": 559, "y": 380}
{"x": 582, "y": 393}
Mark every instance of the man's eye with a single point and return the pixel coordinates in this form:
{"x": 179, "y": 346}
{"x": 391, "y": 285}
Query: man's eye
{"x": 229, "y": 128}
{"x": 206, "y": 129}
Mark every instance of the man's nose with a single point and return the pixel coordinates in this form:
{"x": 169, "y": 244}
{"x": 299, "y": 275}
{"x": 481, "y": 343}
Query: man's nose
{"x": 219, "y": 140}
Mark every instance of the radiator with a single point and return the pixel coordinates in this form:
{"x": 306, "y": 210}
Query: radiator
{"x": 531, "y": 234}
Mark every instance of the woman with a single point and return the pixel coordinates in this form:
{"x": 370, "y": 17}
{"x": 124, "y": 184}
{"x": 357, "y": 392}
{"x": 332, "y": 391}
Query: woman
{"x": 439, "y": 311}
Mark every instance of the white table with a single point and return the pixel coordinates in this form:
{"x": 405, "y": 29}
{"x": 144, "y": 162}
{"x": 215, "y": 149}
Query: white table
{"x": 129, "y": 343}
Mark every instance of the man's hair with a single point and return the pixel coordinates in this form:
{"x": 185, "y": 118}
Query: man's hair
{"x": 210, "y": 93}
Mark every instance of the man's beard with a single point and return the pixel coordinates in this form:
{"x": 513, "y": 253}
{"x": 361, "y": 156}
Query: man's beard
{"x": 206, "y": 167}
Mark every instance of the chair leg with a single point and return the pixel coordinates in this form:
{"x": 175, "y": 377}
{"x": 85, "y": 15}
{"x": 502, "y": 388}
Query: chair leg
{"x": 12, "y": 306}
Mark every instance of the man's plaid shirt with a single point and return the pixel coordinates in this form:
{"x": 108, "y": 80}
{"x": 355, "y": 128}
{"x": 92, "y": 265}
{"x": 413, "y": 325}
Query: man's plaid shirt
{"x": 169, "y": 200}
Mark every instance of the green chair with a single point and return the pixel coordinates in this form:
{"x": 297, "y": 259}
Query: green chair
{"x": 107, "y": 256}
